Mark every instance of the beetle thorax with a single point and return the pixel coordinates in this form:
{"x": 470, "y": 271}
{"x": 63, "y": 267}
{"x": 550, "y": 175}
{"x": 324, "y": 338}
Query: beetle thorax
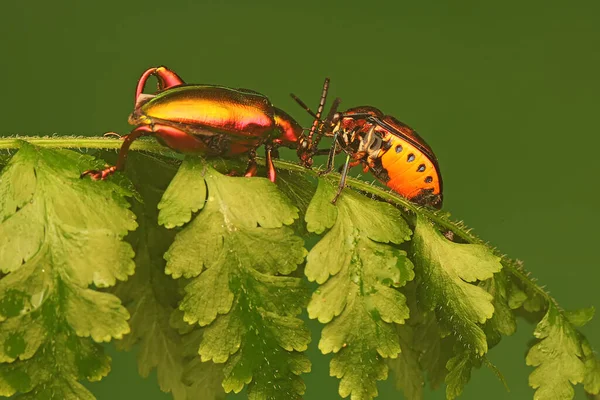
{"x": 363, "y": 141}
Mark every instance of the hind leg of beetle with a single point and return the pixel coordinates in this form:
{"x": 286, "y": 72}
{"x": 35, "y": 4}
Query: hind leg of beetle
{"x": 123, "y": 152}
{"x": 342, "y": 180}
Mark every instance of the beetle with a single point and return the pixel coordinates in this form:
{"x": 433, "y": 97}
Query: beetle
{"x": 392, "y": 151}
{"x": 206, "y": 119}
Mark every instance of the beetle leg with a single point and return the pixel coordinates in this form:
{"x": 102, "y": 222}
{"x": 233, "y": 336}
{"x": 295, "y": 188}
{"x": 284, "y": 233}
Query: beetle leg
{"x": 99, "y": 174}
{"x": 322, "y": 152}
{"x": 342, "y": 180}
{"x": 331, "y": 158}
{"x": 274, "y": 152}
{"x": 325, "y": 152}
{"x": 352, "y": 164}
{"x": 355, "y": 163}
{"x": 252, "y": 167}
{"x": 271, "y": 174}
{"x": 166, "y": 79}
{"x": 127, "y": 140}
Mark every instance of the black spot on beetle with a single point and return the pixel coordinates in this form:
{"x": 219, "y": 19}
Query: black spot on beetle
{"x": 398, "y": 148}
{"x": 421, "y": 168}
{"x": 411, "y": 157}
{"x": 429, "y": 179}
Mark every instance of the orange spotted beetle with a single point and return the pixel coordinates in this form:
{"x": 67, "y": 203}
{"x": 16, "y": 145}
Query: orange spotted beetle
{"x": 394, "y": 153}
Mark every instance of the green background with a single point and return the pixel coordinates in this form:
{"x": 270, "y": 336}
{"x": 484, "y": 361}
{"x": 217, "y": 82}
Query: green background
{"x": 506, "y": 93}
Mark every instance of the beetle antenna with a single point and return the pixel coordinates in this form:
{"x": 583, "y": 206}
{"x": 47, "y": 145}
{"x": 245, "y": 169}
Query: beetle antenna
{"x": 303, "y": 105}
{"x": 332, "y": 111}
{"x": 327, "y": 124}
{"x": 319, "y": 110}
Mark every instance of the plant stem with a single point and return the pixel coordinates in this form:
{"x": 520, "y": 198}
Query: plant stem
{"x": 150, "y": 145}
{"x": 79, "y": 142}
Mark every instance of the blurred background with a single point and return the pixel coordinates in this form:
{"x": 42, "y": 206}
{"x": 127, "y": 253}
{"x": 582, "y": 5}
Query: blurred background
{"x": 506, "y": 93}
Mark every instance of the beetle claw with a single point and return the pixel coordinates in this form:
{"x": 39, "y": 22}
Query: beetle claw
{"x": 107, "y": 134}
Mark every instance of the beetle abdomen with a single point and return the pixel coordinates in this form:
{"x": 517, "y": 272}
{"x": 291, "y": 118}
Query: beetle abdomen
{"x": 410, "y": 171}
{"x": 213, "y": 107}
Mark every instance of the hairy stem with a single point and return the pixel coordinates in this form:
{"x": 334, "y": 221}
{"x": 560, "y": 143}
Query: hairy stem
{"x": 79, "y": 142}
{"x": 150, "y": 145}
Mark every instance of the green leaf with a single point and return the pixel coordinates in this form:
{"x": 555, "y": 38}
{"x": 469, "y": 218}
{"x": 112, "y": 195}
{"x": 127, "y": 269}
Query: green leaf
{"x": 202, "y": 379}
{"x": 448, "y": 270}
{"x": 54, "y": 371}
{"x": 503, "y": 321}
{"x": 435, "y": 349}
{"x": 534, "y": 303}
{"x": 407, "y": 370}
{"x": 236, "y": 250}
{"x": 424, "y": 349}
{"x": 61, "y": 238}
{"x": 557, "y": 357}
{"x": 519, "y": 295}
{"x": 58, "y": 235}
{"x": 151, "y": 296}
{"x": 591, "y": 382}
{"x": 299, "y": 188}
{"x": 321, "y": 214}
{"x": 360, "y": 272}
{"x": 516, "y": 296}
{"x": 459, "y": 373}
{"x": 184, "y": 196}
{"x": 580, "y": 317}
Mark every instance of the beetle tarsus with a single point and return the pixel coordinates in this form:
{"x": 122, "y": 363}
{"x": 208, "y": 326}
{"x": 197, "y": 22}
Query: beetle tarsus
{"x": 337, "y": 195}
{"x": 99, "y": 175}
{"x": 108, "y": 134}
{"x": 324, "y": 172}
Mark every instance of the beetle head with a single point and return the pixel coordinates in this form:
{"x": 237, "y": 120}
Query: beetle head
{"x": 305, "y": 151}
{"x": 291, "y": 131}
